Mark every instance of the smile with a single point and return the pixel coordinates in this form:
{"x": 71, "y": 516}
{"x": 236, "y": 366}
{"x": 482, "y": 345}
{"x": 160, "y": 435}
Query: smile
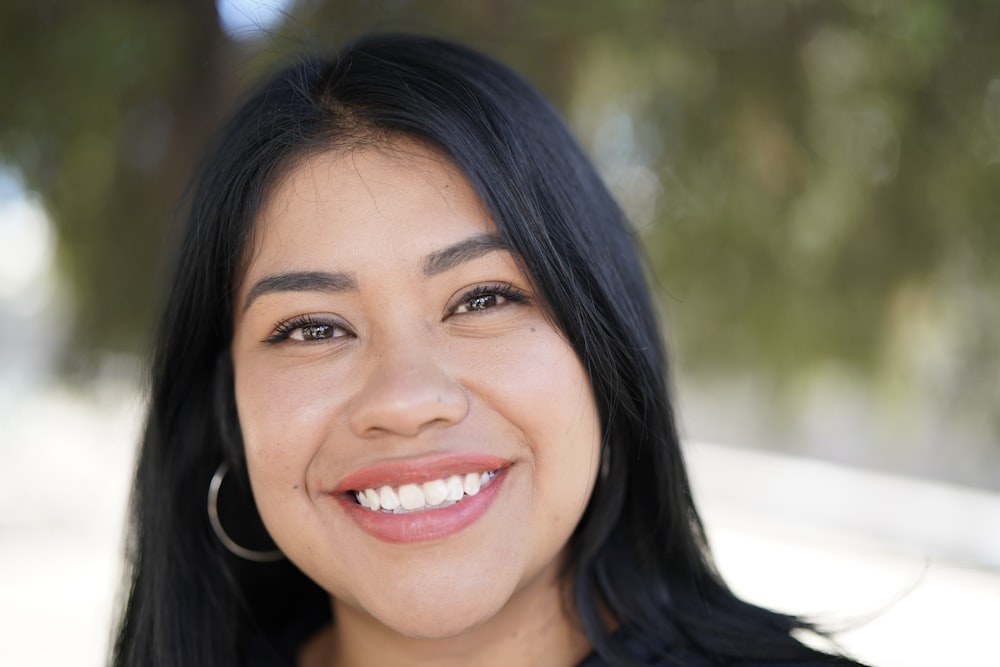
{"x": 435, "y": 494}
{"x": 424, "y": 499}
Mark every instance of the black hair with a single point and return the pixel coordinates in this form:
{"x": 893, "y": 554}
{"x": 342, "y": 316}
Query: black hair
{"x": 639, "y": 554}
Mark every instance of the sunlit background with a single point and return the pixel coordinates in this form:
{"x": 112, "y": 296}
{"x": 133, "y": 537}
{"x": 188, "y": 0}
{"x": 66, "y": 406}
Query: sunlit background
{"x": 817, "y": 187}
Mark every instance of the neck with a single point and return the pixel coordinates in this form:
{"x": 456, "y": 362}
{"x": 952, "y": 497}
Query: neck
{"x": 535, "y": 629}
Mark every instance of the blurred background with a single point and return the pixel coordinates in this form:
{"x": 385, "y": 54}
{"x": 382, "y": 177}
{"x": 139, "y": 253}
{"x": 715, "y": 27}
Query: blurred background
{"x": 816, "y": 184}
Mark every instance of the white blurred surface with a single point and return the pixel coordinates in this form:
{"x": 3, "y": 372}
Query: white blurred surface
{"x": 65, "y": 461}
{"x": 918, "y": 561}
{"x": 910, "y": 569}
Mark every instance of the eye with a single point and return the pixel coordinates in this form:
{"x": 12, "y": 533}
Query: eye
{"x": 306, "y": 329}
{"x": 486, "y": 297}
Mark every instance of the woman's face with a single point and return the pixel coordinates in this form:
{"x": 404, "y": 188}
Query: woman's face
{"x": 388, "y": 346}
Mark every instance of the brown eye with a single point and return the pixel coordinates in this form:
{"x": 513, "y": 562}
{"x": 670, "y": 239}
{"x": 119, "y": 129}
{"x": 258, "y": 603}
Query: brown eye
{"x": 314, "y": 332}
{"x": 486, "y": 297}
{"x": 307, "y": 330}
{"x": 481, "y": 302}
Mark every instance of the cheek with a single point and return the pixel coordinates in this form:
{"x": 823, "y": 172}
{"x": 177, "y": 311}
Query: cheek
{"x": 553, "y": 395}
{"x": 544, "y": 391}
{"x": 283, "y": 417}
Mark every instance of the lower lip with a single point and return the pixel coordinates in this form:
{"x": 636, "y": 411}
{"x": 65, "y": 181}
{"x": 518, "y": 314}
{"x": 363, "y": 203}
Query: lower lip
{"x": 425, "y": 525}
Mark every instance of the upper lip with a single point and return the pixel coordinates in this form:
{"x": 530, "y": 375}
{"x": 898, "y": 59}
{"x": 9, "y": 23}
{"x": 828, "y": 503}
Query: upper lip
{"x": 415, "y": 470}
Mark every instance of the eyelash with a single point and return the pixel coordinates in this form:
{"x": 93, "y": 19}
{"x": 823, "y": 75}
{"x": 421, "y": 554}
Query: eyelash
{"x": 503, "y": 290}
{"x": 284, "y": 329}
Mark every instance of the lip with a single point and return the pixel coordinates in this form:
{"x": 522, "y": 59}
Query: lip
{"x": 430, "y": 524}
{"x": 413, "y": 471}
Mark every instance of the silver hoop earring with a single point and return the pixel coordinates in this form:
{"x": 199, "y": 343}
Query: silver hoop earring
{"x": 220, "y": 532}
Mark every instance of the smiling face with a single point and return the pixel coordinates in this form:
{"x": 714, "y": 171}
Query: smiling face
{"x": 389, "y": 352}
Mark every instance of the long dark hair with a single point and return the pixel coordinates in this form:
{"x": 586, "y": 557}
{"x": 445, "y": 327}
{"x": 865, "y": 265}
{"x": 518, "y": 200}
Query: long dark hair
{"x": 639, "y": 553}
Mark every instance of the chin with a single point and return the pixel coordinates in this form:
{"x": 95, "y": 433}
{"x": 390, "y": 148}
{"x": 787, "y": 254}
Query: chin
{"x": 438, "y": 619}
{"x": 437, "y": 626}
{"x": 440, "y": 602}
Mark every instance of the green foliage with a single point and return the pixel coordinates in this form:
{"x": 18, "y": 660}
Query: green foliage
{"x": 813, "y": 180}
{"x": 105, "y": 105}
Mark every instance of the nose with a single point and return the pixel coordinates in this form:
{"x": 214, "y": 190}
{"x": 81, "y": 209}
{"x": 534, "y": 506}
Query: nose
{"x": 406, "y": 392}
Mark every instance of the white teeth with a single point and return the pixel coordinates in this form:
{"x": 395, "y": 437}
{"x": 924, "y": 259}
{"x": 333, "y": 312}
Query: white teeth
{"x": 471, "y": 484}
{"x": 411, "y": 497}
{"x": 455, "y": 489}
{"x": 435, "y": 492}
{"x": 415, "y": 497}
{"x": 388, "y": 498}
{"x": 374, "y": 502}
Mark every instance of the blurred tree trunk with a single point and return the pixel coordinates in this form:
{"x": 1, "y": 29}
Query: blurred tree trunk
{"x": 106, "y": 109}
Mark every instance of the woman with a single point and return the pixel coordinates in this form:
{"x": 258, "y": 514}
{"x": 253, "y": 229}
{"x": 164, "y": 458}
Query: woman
{"x": 409, "y": 316}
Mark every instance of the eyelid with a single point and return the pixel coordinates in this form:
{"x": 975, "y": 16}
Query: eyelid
{"x": 283, "y": 329}
{"x": 503, "y": 289}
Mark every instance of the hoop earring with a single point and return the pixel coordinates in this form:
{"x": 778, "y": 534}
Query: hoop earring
{"x": 220, "y": 532}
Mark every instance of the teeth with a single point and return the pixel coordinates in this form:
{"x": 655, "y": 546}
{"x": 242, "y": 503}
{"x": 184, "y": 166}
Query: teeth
{"x": 374, "y": 501}
{"x": 435, "y": 492}
{"x": 413, "y": 497}
{"x": 388, "y": 498}
{"x": 455, "y": 489}
{"x": 471, "y": 484}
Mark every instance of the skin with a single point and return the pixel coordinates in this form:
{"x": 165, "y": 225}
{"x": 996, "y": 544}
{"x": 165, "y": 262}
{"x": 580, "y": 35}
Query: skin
{"x": 408, "y": 366}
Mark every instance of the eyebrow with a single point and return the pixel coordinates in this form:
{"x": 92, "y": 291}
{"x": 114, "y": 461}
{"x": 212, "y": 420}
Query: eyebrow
{"x": 322, "y": 281}
{"x": 448, "y": 258}
{"x": 301, "y": 281}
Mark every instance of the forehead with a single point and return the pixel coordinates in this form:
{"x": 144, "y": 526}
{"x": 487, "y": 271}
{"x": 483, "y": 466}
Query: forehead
{"x": 365, "y": 202}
